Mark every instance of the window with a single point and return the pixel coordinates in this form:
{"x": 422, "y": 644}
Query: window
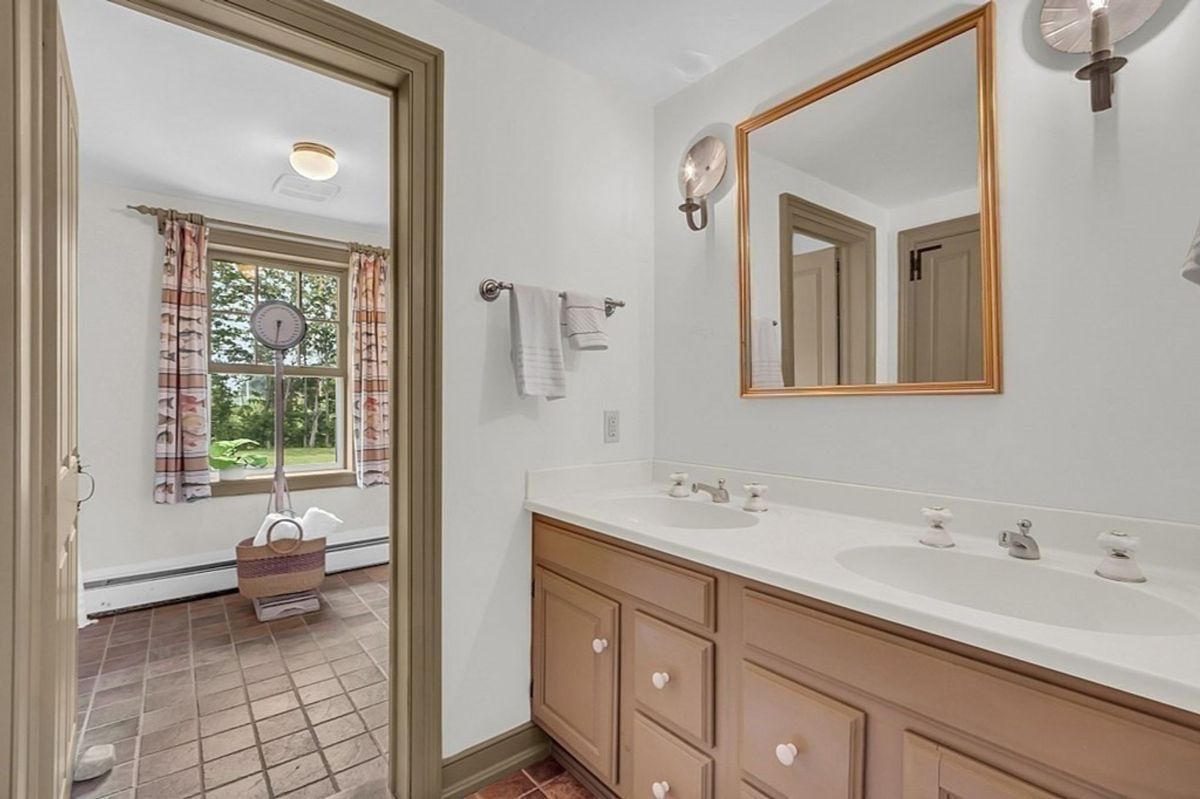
{"x": 241, "y": 386}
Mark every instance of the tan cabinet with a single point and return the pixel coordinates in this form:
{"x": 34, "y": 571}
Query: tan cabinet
{"x": 664, "y": 766}
{"x": 797, "y": 741}
{"x": 576, "y": 647}
{"x": 673, "y": 676}
{"x": 935, "y": 772}
{"x": 650, "y": 670}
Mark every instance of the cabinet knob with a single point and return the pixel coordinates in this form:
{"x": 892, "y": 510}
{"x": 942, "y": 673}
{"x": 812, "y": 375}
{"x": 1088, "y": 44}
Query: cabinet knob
{"x": 786, "y": 754}
{"x": 660, "y": 790}
{"x": 599, "y": 645}
{"x": 660, "y": 679}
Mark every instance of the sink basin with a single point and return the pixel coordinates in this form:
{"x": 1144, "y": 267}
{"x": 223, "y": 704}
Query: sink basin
{"x": 683, "y": 513}
{"x": 1022, "y": 590}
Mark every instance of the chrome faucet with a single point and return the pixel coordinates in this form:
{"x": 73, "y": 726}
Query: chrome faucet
{"x": 718, "y": 494}
{"x": 1021, "y": 544}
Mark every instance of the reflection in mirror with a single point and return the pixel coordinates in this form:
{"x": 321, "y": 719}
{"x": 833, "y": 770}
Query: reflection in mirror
{"x": 863, "y": 241}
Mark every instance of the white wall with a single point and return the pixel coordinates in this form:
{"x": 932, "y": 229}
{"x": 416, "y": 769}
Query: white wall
{"x": 547, "y": 181}
{"x": 1101, "y": 336}
{"x": 122, "y": 531}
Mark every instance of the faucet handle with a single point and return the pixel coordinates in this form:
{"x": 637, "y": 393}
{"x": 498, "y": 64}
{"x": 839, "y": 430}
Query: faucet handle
{"x": 1118, "y": 543}
{"x": 1024, "y": 525}
{"x": 678, "y": 484}
{"x": 721, "y": 482}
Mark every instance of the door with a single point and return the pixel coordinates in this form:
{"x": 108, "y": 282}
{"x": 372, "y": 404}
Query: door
{"x": 575, "y": 655}
{"x": 815, "y": 317}
{"x": 60, "y": 429}
{"x": 932, "y": 771}
{"x": 941, "y": 302}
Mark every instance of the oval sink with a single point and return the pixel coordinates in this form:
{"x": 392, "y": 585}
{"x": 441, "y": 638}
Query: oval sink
{"x": 687, "y": 514}
{"x": 1021, "y": 590}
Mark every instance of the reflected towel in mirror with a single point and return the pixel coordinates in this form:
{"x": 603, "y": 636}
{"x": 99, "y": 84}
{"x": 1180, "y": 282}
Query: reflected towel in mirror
{"x": 766, "y": 362}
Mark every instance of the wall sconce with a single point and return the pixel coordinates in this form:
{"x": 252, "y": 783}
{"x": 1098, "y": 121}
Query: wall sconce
{"x": 1093, "y": 26}
{"x": 701, "y": 171}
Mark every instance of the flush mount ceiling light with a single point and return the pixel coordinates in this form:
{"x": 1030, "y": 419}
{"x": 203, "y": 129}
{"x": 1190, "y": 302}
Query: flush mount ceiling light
{"x": 1093, "y": 26}
{"x": 314, "y": 161}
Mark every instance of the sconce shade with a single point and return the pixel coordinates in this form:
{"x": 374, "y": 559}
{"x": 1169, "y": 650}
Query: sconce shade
{"x": 313, "y": 161}
{"x": 700, "y": 172}
{"x": 1093, "y": 26}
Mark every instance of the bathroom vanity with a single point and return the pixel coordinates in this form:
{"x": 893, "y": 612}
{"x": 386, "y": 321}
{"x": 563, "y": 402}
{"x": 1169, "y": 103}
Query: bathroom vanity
{"x": 666, "y": 676}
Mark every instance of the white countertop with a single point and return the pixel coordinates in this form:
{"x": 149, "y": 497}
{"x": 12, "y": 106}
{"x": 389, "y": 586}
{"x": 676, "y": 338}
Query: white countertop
{"x": 795, "y": 548}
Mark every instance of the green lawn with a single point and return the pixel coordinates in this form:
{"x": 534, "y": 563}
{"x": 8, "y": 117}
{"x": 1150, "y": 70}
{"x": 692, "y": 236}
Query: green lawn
{"x": 299, "y": 456}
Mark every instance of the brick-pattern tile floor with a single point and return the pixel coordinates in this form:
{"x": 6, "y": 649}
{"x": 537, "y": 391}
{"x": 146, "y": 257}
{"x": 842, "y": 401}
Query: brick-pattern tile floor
{"x": 202, "y": 699}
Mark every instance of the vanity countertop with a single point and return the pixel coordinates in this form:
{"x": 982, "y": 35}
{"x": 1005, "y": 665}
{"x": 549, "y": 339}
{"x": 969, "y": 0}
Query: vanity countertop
{"x": 797, "y": 549}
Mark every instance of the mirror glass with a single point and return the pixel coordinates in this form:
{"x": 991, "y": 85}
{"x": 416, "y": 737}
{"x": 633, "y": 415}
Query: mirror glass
{"x": 863, "y": 236}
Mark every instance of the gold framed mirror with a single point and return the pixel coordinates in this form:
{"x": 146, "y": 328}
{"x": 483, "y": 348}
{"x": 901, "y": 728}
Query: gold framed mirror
{"x": 867, "y": 227}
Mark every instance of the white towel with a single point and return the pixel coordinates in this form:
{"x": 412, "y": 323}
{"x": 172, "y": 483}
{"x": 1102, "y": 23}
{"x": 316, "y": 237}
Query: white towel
{"x": 1191, "y": 267}
{"x": 766, "y": 363}
{"x": 535, "y": 318}
{"x": 583, "y": 321}
{"x": 315, "y": 522}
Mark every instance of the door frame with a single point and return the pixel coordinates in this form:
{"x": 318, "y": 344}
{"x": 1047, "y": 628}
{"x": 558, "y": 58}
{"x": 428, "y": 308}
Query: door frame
{"x": 906, "y": 241}
{"x": 855, "y": 286}
{"x": 335, "y": 42}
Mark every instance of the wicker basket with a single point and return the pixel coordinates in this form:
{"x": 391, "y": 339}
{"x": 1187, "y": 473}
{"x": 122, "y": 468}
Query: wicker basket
{"x": 286, "y": 566}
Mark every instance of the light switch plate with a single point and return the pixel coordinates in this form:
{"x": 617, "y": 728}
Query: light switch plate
{"x": 612, "y": 427}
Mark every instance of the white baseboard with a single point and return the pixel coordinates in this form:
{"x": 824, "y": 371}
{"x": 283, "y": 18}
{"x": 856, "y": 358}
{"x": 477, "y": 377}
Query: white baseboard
{"x": 129, "y": 590}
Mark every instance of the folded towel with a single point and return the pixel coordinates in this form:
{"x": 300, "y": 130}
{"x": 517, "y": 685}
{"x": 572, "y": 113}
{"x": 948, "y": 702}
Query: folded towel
{"x": 315, "y": 522}
{"x": 1191, "y": 267}
{"x": 766, "y": 364}
{"x": 583, "y": 321}
{"x": 537, "y": 356}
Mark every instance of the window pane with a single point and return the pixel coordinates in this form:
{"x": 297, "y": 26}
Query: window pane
{"x": 320, "y": 295}
{"x": 321, "y": 344}
{"x": 277, "y": 284}
{"x": 243, "y": 407}
{"x": 232, "y": 341}
{"x": 266, "y": 355}
{"x": 232, "y": 287}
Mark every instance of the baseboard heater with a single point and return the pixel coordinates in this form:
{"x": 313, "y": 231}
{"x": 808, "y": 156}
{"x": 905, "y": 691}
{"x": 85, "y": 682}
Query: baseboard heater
{"x": 128, "y": 591}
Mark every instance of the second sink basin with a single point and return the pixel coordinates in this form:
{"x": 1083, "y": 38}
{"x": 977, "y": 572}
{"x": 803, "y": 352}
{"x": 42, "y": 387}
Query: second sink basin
{"x": 682, "y": 513}
{"x": 1022, "y": 590}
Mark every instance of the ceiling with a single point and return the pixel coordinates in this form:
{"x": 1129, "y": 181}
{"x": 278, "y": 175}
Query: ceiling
{"x": 652, "y": 48}
{"x": 163, "y": 108}
{"x": 903, "y": 135}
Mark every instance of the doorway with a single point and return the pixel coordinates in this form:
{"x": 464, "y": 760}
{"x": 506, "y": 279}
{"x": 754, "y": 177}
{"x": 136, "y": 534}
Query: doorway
{"x": 941, "y": 302}
{"x": 37, "y": 658}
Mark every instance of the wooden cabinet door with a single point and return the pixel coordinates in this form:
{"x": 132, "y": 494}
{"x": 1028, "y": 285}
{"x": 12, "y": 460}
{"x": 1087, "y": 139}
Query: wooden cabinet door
{"x": 932, "y": 771}
{"x": 575, "y": 654}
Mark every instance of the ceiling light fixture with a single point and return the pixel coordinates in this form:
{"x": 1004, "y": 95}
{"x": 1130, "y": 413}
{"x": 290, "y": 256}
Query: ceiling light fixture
{"x": 314, "y": 161}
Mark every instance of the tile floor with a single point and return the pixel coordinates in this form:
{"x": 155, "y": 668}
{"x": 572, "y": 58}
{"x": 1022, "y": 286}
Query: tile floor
{"x": 544, "y": 780}
{"x": 201, "y": 699}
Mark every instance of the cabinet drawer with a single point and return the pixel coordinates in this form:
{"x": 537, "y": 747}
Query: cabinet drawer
{"x": 660, "y": 758}
{"x": 683, "y": 592}
{"x": 797, "y": 741}
{"x": 575, "y": 652}
{"x": 673, "y": 676}
{"x": 933, "y": 770}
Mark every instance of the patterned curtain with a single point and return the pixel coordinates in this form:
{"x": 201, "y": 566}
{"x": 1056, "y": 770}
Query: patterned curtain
{"x": 369, "y": 360}
{"x": 181, "y": 447}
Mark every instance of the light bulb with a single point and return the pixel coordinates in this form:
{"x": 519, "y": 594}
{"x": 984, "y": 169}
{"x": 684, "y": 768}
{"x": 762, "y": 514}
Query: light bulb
{"x": 1097, "y": 5}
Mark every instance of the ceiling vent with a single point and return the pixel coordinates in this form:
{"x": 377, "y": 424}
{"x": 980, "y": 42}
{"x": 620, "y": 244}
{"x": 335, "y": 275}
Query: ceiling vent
{"x": 305, "y": 189}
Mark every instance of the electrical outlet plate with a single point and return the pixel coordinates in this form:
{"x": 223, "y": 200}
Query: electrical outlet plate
{"x": 612, "y": 427}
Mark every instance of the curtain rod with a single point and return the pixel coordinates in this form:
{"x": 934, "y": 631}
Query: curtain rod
{"x": 171, "y": 213}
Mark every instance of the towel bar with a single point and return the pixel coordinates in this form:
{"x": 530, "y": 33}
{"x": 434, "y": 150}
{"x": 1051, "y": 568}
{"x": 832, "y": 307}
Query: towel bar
{"x": 490, "y": 290}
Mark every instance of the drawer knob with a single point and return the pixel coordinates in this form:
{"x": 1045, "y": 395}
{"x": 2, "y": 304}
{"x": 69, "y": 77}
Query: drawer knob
{"x": 599, "y": 645}
{"x": 660, "y": 679}
{"x": 660, "y": 790}
{"x": 786, "y": 754}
